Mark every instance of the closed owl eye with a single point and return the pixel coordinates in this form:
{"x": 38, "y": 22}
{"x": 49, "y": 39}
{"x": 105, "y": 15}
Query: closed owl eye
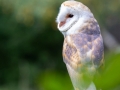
{"x": 70, "y": 15}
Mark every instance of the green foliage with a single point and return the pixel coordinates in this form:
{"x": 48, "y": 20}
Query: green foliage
{"x": 110, "y": 77}
{"x": 51, "y": 80}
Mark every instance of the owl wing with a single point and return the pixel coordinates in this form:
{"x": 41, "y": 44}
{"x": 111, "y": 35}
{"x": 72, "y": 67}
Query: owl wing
{"x": 97, "y": 55}
{"x": 83, "y": 49}
{"x": 83, "y": 44}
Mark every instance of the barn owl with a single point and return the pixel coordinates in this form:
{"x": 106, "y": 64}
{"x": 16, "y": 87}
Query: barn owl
{"x": 83, "y": 45}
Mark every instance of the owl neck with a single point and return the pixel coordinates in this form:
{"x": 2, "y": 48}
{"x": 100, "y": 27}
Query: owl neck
{"x": 87, "y": 25}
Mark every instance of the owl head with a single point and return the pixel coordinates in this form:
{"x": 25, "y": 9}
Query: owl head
{"x": 71, "y": 16}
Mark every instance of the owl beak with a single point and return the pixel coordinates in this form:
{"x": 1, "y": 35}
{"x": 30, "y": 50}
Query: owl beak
{"x": 61, "y": 23}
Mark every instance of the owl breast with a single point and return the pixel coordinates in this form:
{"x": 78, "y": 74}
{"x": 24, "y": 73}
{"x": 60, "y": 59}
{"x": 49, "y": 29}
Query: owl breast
{"x": 76, "y": 49}
{"x": 70, "y": 54}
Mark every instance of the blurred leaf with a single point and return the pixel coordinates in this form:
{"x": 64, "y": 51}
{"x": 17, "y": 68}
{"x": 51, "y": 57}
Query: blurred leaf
{"x": 51, "y": 80}
{"x": 110, "y": 77}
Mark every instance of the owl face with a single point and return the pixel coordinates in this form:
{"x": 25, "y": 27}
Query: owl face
{"x": 71, "y": 16}
{"x": 67, "y": 17}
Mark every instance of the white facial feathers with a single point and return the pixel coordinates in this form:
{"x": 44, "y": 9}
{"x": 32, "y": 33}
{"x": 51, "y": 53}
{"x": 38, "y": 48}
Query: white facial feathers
{"x": 70, "y": 13}
{"x": 66, "y": 18}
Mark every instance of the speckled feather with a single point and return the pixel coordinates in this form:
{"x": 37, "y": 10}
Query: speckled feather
{"x": 77, "y": 46}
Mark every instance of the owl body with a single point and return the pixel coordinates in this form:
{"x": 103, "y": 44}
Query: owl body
{"x": 83, "y": 54}
{"x": 83, "y": 45}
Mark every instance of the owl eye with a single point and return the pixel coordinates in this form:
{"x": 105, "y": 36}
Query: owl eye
{"x": 70, "y": 15}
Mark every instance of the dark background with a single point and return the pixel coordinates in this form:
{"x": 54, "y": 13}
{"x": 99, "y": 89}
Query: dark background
{"x": 31, "y": 45}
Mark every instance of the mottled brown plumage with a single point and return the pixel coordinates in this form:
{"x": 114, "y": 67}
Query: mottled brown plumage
{"x": 89, "y": 39}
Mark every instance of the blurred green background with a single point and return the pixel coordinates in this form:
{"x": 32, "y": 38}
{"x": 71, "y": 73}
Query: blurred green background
{"x": 31, "y": 45}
